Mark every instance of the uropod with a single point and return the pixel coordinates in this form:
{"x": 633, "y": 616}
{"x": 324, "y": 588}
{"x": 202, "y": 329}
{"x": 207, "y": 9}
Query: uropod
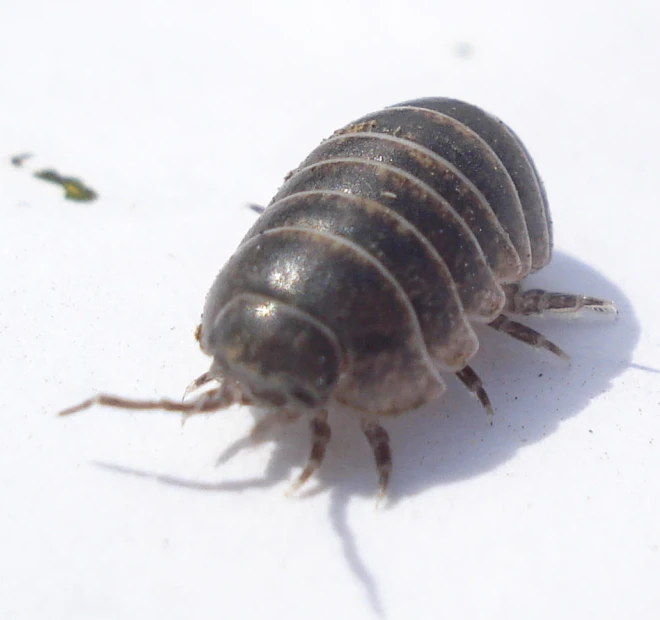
{"x": 361, "y": 281}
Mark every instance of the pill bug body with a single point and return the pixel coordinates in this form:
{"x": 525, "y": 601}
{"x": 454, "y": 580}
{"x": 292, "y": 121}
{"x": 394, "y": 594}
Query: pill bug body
{"x": 362, "y": 280}
{"x": 396, "y": 233}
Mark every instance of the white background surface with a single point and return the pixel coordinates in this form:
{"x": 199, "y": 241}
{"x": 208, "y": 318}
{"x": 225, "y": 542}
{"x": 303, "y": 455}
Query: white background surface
{"x": 179, "y": 113}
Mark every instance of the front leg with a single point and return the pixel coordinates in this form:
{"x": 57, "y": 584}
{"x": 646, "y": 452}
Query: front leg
{"x": 320, "y": 438}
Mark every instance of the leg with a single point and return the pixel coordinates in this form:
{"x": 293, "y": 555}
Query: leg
{"x": 212, "y": 375}
{"x": 259, "y": 432}
{"x": 320, "y": 438}
{"x": 380, "y": 444}
{"x": 271, "y": 419}
{"x": 472, "y": 382}
{"x": 527, "y": 335}
{"x": 538, "y": 301}
{"x": 202, "y": 380}
{"x": 219, "y": 398}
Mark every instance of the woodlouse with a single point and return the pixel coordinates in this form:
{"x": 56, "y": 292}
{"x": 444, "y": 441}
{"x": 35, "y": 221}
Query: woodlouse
{"x": 361, "y": 280}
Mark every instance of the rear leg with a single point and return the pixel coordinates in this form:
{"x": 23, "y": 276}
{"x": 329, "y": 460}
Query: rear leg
{"x": 527, "y": 335}
{"x": 473, "y": 383}
{"x": 538, "y": 301}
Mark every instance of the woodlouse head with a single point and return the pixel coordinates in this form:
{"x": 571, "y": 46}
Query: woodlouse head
{"x": 278, "y": 355}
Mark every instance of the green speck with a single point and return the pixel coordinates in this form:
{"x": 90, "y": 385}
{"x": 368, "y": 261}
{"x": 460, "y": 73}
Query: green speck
{"x": 74, "y": 189}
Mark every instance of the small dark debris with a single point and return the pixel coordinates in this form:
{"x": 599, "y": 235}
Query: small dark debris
{"x": 464, "y": 50}
{"x": 74, "y": 189}
{"x": 19, "y": 160}
{"x": 256, "y": 208}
